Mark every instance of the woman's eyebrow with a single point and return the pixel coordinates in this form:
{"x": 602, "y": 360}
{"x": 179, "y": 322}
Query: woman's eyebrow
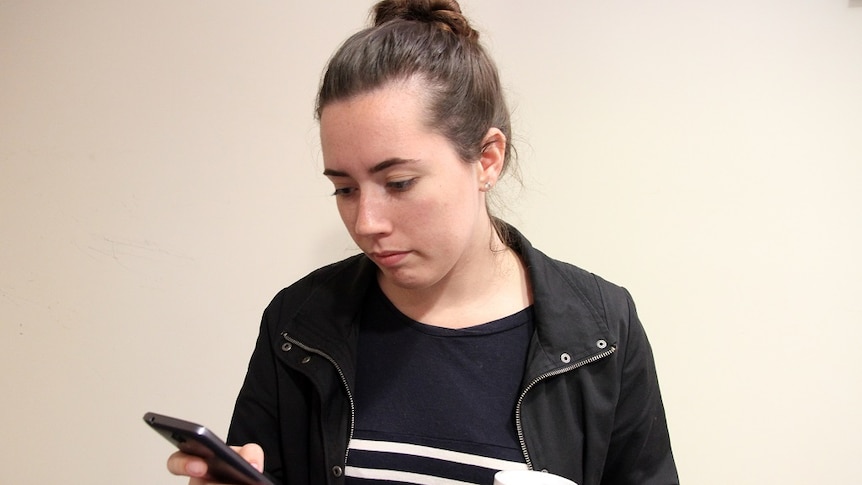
{"x": 385, "y": 164}
{"x": 390, "y": 163}
{"x": 334, "y": 173}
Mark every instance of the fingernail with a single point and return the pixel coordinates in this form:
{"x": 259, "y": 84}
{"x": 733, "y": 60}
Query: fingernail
{"x": 196, "y": 468}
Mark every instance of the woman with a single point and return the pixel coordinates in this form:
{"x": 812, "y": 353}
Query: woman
{"x": 449, "y": 349}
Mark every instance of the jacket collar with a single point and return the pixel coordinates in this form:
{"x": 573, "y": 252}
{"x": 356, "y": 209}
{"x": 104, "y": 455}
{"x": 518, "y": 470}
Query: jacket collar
{"x": 569, "y": 327}
{"x": 327, "y": 320}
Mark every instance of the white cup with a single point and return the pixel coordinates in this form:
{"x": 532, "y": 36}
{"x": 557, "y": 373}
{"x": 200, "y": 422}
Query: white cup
{"x": 529, "y": 477}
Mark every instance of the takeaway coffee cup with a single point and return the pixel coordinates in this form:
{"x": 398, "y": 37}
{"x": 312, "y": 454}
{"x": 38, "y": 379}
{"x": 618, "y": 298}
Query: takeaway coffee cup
{"x": 529, "y": 477}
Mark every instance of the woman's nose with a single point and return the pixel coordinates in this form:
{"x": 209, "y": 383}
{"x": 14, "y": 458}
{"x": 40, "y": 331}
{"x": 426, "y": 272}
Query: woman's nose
{"x": 371, "y": 216}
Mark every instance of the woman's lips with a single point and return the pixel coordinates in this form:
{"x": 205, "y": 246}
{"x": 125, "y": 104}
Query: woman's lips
{"x": 389, "y": 258}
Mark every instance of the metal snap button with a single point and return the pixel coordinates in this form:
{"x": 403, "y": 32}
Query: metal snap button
{"x": 286, "y": 346}
{"x": 337, "y": 471}
{"x": 565, "y": 358}
{"x": 306, "y": 359}
{"x": 601, "y": 344}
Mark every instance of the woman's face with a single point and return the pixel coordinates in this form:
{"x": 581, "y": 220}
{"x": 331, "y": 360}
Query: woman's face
{"x": 406, "y": 198}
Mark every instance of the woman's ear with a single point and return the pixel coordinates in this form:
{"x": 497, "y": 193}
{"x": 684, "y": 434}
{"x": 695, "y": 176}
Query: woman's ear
{"x": 491, "y": 158}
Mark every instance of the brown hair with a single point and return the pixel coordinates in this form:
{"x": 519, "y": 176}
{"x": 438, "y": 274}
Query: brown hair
{"x": 432, "y": 40}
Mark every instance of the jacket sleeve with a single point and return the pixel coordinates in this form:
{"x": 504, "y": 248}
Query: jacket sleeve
{"x": 255, "y": 415}
{"x": 639, "y": 451}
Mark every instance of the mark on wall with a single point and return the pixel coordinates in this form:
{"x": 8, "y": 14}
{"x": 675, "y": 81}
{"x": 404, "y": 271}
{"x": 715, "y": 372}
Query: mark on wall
{"x": 141, "y": 256}
{"x": 119, "y": 249}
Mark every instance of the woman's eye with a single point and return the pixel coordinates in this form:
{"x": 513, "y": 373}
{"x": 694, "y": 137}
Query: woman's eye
{"x": 343, "y": 191}
{"x": 401, "y": 185}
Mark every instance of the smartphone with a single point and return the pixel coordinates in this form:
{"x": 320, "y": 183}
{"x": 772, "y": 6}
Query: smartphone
{"x": 224, "y": 464}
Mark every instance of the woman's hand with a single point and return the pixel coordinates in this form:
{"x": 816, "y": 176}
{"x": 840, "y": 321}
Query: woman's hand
{"x": 196, "y": 468}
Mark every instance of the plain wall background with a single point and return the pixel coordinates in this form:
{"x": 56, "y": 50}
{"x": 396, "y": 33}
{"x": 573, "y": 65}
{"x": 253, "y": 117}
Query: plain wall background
{"x": 160, "y": 182}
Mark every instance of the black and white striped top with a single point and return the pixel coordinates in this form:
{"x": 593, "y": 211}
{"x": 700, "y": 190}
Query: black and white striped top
{"x": 436, "y": 405}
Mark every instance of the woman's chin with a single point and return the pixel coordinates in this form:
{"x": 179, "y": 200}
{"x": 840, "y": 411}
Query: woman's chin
{"x": 403, "y": 278}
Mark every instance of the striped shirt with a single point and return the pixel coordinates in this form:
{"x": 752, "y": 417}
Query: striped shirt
{"x": 436, "y": 405}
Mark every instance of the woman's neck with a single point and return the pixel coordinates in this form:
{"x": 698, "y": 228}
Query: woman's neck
{"x": 492, "y": 285}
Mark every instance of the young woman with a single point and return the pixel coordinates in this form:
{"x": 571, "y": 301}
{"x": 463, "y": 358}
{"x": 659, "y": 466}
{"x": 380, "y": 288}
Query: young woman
{"x": 450, "y": 348}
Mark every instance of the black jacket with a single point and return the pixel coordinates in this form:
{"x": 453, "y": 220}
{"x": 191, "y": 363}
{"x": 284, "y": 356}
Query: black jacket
{"x": 590, "y": 409}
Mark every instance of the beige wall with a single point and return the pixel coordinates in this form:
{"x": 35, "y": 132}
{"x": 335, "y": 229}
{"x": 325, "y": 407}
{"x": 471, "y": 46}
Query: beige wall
{"x": 159, "y": 182}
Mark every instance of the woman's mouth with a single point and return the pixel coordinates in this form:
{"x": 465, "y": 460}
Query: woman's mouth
{"x": 388, "y": 258}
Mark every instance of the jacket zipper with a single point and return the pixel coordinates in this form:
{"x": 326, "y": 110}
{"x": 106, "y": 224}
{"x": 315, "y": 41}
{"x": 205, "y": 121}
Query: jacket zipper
{"x": 343, "y": 381}
{"x": 555, "y": 372}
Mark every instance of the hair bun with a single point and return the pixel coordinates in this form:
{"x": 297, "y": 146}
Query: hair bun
{"x": 445, "y": 14}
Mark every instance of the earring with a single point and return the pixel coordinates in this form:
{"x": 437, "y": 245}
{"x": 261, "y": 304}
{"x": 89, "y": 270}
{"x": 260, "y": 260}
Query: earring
{"x": 487, "y": 186}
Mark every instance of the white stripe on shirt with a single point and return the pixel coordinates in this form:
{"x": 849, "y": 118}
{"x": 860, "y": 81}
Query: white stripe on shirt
{"x": 398, "y": 476}
{"x": 436, "y": 453}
